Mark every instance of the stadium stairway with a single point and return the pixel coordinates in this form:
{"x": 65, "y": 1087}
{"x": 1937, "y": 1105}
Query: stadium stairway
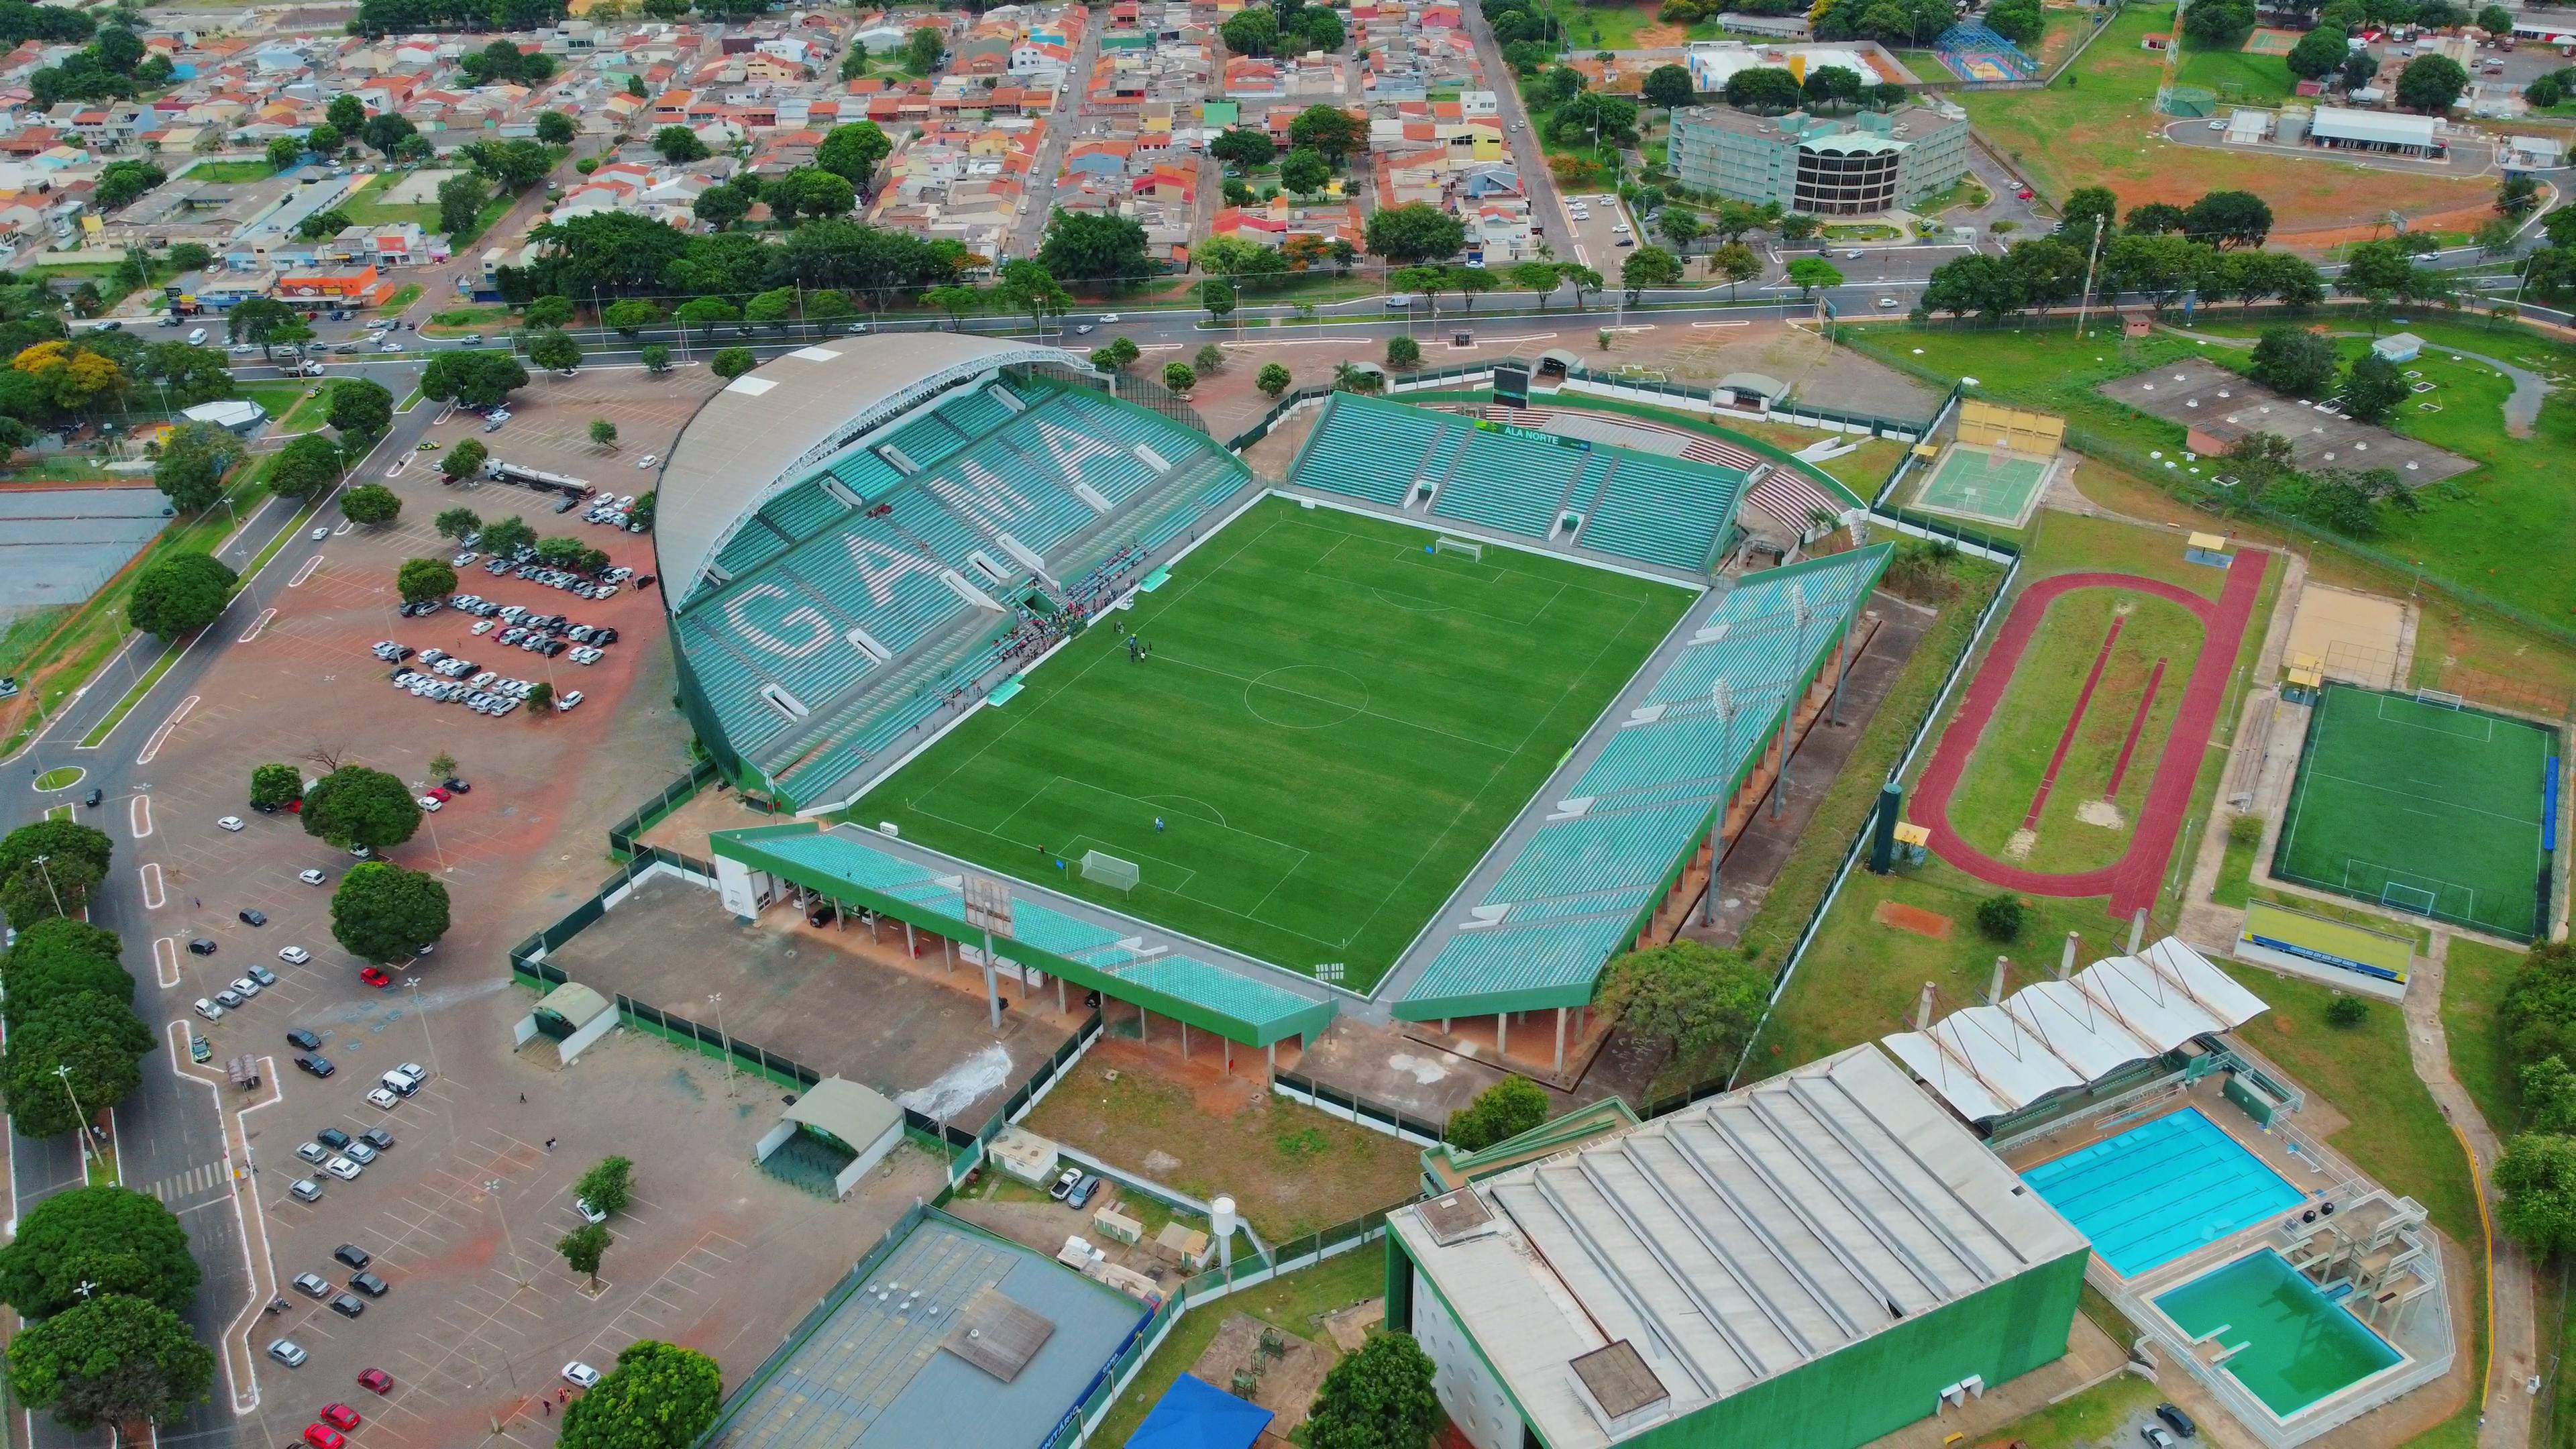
{"x": 1508, "y": 484}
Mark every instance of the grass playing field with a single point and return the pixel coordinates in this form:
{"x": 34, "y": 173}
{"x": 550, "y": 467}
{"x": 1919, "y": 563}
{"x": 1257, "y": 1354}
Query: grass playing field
{"x": 2422, "y": 808}
{"x": 2005, "y": 773}
{"x": 1332, "y": 725}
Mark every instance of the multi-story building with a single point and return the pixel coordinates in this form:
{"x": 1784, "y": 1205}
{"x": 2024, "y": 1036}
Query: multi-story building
{"x": 1858, "y": 165}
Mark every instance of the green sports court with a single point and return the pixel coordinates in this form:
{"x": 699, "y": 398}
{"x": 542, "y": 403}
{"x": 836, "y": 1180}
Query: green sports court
{"x": 2422, "y": 804}
{"x": 1333, "y": 723}
{"x": 1990, "y": 485}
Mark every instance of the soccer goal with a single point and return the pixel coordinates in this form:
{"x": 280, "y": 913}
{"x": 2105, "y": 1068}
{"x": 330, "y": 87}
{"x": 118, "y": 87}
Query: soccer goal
{"x": 2439, "y": 699}
{"x": 1109, "y": 870}
{"x": 1446, "y": 544}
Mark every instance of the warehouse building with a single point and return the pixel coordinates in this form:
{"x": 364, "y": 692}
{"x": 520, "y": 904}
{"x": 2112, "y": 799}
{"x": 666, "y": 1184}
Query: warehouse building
{"x": 1859, "y": 165}
{"x": 1807, "y": 1263}
{"x": 2342, "y": 128}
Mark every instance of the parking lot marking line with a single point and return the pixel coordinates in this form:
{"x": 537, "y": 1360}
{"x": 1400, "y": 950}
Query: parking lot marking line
{"x": 251, "y": 633}
{"x": 161, "y": 736}
{"x": 237, "y": 1334}
{"x": 165, "y": 961}
{"x": 153, "y": 899}
{"x": 138, "y": 815}
{"x": 305, "y": 572}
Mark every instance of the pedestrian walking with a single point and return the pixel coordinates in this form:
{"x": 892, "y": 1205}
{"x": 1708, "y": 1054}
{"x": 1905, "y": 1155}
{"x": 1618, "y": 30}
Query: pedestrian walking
{"x": 550, "y": 1144}
{"x": 523, "y": 1099}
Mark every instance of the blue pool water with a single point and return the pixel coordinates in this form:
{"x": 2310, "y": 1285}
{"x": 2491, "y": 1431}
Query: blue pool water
{"x": 2160, "y": 1190}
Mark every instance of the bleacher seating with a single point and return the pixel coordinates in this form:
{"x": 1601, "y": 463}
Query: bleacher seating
{"x": 1662, "y": 511}
{"x": 1642, "y": 506}
{"x": 1598, "y": 852}
{"x": 803, "y": 511}
{"x": 927, "y": 440}
{"x": 1370, "y": 451}
{"x": 974, "y": 412}
{"x": 784, "y": 615}
{"x": 1509, "y": 483}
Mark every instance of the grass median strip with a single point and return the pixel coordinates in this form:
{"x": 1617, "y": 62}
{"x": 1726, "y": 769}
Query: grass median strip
{"x": 152, "y": 676}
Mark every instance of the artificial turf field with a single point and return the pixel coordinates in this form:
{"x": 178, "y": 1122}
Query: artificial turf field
{"x": 1333, "y": 725}
{"x": 2421, "y": 807}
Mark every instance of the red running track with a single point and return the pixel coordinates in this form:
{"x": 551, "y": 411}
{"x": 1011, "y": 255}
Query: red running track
{"x": 2133, "y": 880}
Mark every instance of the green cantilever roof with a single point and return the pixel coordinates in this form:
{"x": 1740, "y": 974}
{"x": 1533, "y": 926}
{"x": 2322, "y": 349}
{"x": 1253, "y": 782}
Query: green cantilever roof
{"x": 841, "y": 864}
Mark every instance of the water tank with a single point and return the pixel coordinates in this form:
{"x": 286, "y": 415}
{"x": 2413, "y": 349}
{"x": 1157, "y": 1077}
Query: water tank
{"x": 1221, "y": 1227}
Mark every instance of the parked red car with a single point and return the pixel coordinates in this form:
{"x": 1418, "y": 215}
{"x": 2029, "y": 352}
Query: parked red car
{"x": 341, "y": 1416}
{"x": 323, "y": 1436}
{"x": 376, "y": 1381}
{"x": 376, "y": 978}
{"x": 440, "y": 793}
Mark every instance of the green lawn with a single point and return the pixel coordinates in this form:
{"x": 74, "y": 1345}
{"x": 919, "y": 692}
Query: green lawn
{"x": 1295, "y": 1302}
{"x": 1606, "y": 27}
{"x": 402, "y": 298}
{"x": 1334, "y": 724}
{"x": 289, "y": 410}
{"x": 2474, "y": 978}
{"x": 2159, "y": 640}
{"x": 2396, "y": 1133}
{"x": 2088, "y": 1418}
{"x": 231, "y": 173}
{"x": 366, "y": 208}
{"x": 2257, "y": 79}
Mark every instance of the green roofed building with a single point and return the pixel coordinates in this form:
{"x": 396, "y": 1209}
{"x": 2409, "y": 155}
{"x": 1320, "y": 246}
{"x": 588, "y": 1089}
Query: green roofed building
{"x": 1809, "y": 1263}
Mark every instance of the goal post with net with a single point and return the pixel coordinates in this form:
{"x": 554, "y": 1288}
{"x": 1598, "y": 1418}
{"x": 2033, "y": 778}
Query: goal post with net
{"x": 1109, "y": 870}
{"x": 1446, "y": 544}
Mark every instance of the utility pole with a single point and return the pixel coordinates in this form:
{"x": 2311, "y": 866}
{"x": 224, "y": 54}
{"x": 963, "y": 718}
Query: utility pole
{"x": 63, "y": 1074}
{"x": 2084, "y": 304}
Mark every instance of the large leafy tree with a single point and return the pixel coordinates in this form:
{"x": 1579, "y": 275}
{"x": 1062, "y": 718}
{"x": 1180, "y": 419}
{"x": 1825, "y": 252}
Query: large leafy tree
{"x": 582, "y": 1249}
{"x": 193, "y": 461}
{"x": 306, "y": 466}
{"x": 476, "y": 378}
{"x": 420, "y": 579}
{"x": 372, "y": 504}
{"x": 1973, "y": 283}
{"x": 2372, "y": 385}
{"x": 852, "y": 151}
{"x": 679, "y": 144}
{"x": 1691, "y": 999}
{"x": 93, "y": 1240}
{"x": 604, "y": 252}
{"x": 660, "y": 1396}
{"x": 608, "y": 1186}
{"x": 2431, "y": 84}
{"x": 1648, "y": 267}
{"x": 360, "y": 409}
{"x": 84, "y": 1047}
{"x": 1328, "y": 129}
{"x": 180, "y": 595}
{"x": 276, "y": 785}
{"x": 2536, "y": 1191}
{"x": 554, "y": 350}
{"x": 1377, "y": 1398}
{"x": 460, "y": 462}
{"x": 460, "y": 202}
{"x": 2228, "y": 219}
{"x": 354, "y": 805}
{"x": 384, "y": 913}
{"x": 2294, "y": 360}
{"x": 113, "y": 1358}
{"x": 1415, "y": 232}
{"x": 1502, "y": 1111}
{"x": 2319, "y": 53}
{"x": 1093, "y": 246}
{"x": 58, "y": 957}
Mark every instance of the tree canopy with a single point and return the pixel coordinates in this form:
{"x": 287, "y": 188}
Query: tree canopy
{"x": 1502, "y": 1111}
{"x": 1414, "y": 232}
{"x": 90, "y": 1033}
{"x": 2431, "y": 84}
{"x": 2294, "y": 360}
{"x": 354, "y": 805}
{"x": 1692, "y": 999}
{"x": 1377, "y": 1398}
{"x": 360, "y": 409}
{"x": 180, "y": 595}
{"x": 1092, "y": 246}
{"x": 384, "y": 913}
{"x": 660, "y": 1396}
{"x": 112, "y": 1358}
{"x": 474, "y": 377}
{"x": 111, "y": 1239}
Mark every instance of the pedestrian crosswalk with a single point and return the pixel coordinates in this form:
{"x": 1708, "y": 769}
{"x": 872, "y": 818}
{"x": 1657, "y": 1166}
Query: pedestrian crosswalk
{"x": 180, "y": 1186}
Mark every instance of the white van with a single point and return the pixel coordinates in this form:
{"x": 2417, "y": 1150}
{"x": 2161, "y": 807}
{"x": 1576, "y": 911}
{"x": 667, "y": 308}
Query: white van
{"x": 197, "y": 338}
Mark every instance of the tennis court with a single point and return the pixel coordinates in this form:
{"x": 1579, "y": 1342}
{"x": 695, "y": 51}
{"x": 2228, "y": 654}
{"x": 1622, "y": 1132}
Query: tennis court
{"x": 2422, "y": 804}
{"x": 1987, "y": 484}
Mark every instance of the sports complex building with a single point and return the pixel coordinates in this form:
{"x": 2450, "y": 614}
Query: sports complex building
{"x": 1550, "y": 640}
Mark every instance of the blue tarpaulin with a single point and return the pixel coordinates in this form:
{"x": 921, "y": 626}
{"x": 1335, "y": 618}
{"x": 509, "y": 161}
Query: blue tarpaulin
{"x": 1196, "y": 1414}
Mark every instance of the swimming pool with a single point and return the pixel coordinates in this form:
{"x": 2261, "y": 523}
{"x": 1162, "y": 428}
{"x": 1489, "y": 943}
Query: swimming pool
{"x": 2292, "y": 1346}
{"x": 2160, "y": 1190}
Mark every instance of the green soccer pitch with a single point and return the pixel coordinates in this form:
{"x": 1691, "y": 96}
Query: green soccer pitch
{"x": 2421, "y": 807}
{"x": 1332, "y": 724}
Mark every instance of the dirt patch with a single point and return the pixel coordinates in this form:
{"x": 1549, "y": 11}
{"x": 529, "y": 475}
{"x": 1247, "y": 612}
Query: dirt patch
{"x": 2102, "y": 813}
{"x": 1292, "y": 1169}
{"x": 1350, "y": 1327}
{"x": 1270, "y": 1366}
{"x": 1662, "y": 37}
{"x": 1914, "y": 919}
{"x": 2022, "y": 843}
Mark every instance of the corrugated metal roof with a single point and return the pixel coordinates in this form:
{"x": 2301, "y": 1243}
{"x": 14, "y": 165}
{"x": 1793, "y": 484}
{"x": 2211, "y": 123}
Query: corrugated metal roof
{"x": 1737, "y": 1240}
{"x": 2387, "y": 128}
{"x": 1257, "y": 1003}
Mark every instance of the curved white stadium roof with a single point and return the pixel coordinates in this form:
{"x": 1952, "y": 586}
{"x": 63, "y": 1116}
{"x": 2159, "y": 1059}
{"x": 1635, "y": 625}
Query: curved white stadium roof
{"x": 772, "y": 426}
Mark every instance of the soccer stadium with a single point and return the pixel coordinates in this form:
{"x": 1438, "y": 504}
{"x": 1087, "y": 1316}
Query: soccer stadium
{"x": 1444, "y": 719}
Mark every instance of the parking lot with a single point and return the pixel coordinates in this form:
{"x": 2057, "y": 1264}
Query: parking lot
{"x": 462, "y": 1213}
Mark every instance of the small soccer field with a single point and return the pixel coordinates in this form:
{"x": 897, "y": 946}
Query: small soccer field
{"x": 1331, "y": 723}
{"x": 1984, "y": 483}
{"x": 2424, "y": 807}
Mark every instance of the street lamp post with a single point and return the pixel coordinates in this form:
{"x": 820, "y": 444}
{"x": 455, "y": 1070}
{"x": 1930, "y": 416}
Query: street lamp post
{"x": 716, "y": 1000}
{"x": 63, "y": 1074}
{"x": 518, "y": 1270}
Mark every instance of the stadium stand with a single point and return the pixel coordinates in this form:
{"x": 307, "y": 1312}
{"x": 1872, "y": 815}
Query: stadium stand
{"x": 818, "y": 636}
{"x": 1573, "y": 891}
{"x": 1645, "y": 507}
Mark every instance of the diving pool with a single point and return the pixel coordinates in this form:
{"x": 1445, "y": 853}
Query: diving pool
{"x": 2160, "y": 1190}
{"x": 2292, "y": 1346}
